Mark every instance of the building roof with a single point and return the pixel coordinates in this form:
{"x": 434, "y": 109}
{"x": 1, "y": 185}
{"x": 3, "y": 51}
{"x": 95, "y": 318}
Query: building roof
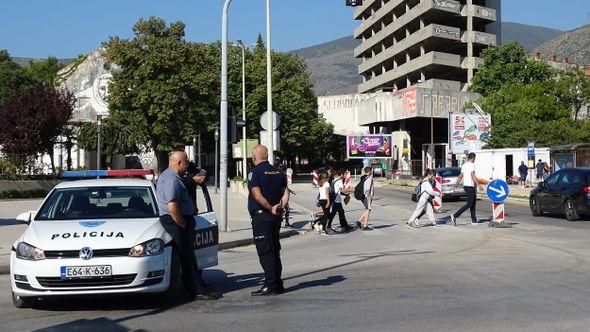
{"x": 570, "y": 147}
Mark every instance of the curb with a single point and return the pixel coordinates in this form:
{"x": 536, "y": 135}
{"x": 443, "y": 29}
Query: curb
{"x": 249, "y": 241}
{"x": 5, "y": 269}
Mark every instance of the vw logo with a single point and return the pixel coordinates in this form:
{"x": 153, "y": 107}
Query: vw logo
{"x": 86, "y": 253}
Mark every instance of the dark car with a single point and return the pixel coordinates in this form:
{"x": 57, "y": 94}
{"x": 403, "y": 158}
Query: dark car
{"x": 564, "y": 192}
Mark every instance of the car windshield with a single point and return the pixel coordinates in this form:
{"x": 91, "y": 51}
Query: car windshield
{"x": 448, "y": 172}
{"x": 99, "y": 203}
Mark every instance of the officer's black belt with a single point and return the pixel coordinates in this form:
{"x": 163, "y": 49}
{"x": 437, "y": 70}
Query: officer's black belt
{"x": 255, "y": 212}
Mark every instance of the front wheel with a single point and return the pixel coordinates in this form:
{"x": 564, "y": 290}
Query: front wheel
{"x": 174, "y": 291}
{"x": 535, "y": 208}
{"x": 22, "y": 302}
{"x": 571, "y": 214}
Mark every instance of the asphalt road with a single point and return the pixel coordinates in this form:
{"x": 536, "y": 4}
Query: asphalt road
{"x": 531, "y": 277}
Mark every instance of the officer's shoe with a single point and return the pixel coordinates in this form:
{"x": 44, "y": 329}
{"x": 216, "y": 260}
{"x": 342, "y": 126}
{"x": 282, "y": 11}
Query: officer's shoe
{"x": 266, "y": 291}
{"x": 207, "y": 296}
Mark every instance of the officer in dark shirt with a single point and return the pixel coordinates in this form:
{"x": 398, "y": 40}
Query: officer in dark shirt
{"x": 266, "y": 202}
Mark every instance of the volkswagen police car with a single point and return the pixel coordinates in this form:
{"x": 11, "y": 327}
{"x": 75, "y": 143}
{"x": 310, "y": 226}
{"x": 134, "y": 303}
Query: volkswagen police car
{"x": 103, "y": 236}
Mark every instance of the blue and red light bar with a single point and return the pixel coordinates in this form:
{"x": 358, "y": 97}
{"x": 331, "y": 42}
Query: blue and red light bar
{"x": 106, "y": 174}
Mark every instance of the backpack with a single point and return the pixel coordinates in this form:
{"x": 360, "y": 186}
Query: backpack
{"x": 359, "y": 190}
{"x": 417, "y": 192}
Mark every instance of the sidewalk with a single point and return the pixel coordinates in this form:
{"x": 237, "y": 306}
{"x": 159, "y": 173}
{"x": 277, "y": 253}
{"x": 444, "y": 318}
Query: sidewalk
{"x": 239, "y": 226}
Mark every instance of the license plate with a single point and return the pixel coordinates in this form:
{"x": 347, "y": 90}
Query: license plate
{"x": 86, "y": 271}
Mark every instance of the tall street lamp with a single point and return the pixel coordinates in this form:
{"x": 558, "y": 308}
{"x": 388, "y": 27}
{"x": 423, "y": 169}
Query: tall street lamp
{"x": 269, "y": 86}
{"x": 244, "y": 146}
{"x": 223, "y": 120}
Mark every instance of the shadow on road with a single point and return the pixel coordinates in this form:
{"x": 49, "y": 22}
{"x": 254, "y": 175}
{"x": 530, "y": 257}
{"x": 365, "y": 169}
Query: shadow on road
{"x": 9, "y": 222}
{"x": 316, "y": 283}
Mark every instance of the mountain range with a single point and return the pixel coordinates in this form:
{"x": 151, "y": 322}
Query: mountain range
{"x": 334, "y": 69}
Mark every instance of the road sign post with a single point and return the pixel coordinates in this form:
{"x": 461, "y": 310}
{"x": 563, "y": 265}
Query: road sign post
{"x": 498, "y": 191}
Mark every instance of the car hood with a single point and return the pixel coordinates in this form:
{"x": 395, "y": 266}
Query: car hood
{"x": 97, "y": 234}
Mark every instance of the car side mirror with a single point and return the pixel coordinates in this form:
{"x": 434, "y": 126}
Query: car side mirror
{"x": 25, "y": 217}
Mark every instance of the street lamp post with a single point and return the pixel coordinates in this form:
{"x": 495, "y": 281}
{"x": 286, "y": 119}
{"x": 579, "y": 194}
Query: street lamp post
{"x": 216, "y": 158}
{"x": 269, "y": 86}
{"x": 98, "y": 123}
{"x": 223, "y": 121}
{"x": 244, "y": 147}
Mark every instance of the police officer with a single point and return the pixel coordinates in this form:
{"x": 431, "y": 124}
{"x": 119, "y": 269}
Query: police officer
{"x": 266, "y": 202}
{"x": 176, "y": 216}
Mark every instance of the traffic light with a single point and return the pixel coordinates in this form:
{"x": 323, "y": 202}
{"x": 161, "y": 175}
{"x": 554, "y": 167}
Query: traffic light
{"x": 354, "y": 3}
{"x": 235, "y": 126}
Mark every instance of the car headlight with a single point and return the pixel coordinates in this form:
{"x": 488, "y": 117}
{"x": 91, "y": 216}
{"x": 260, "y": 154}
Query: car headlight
{"x": 27, "y": 251}
{"x": 148, "y": 248}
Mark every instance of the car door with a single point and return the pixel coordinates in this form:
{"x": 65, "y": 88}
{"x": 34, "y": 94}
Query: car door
{"x": 206, "y": 230}
{"x": 559, "y": 190}
{"x": 544, "y": 194}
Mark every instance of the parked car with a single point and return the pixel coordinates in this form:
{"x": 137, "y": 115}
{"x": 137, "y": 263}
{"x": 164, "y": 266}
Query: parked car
{"x": 449, "y": 177}
{"x": 95, "y": 237}
{"x": 565, "y": 192}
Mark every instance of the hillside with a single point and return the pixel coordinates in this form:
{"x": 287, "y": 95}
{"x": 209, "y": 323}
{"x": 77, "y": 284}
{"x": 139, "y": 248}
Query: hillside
{"x": 574, "y": 44}
{"x": 529, "y": 36}
{"x": 23, "y": 62}
{"x": 334, "y": 68}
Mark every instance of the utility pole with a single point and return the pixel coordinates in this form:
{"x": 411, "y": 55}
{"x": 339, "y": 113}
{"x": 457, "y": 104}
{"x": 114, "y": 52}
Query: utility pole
{"x": 269, "y": 86}
{"x": 98, "y": 123}
{"x": 244, "y": 145}
{"x": 223, "y": 121}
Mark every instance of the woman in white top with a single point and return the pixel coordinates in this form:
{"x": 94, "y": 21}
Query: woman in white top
{"x": 427, "y": 193}
{"x": 324, "y": 200}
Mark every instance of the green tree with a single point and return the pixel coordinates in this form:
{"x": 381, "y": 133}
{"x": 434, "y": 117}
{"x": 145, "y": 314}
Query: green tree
{"x": 510, "y": 64}
{"x": 573, "y": 90}
{"x": 521, "y": 113}
{"x": 44, "y": 70}
{"x": 12, "y": 77}
{"x": 159, "y": 89}
{"x": 117, "y": 137}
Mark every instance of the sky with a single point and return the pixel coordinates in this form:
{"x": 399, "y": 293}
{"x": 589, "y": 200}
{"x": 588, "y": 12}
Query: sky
{"x": 67, "y": 28}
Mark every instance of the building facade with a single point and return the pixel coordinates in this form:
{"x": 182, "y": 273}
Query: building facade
{"x": 429, "y": 43}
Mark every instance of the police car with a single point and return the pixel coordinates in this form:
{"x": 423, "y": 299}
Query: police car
{"x": 103, "y": 236}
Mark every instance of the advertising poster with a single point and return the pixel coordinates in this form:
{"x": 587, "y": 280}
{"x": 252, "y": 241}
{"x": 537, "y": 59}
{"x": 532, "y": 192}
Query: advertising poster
{"x": 369, "y": 146}
{"x": 468, "y": 131}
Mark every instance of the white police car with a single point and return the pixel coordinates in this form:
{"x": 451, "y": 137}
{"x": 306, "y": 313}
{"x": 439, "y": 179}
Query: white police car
{"x": 102, "y": 236}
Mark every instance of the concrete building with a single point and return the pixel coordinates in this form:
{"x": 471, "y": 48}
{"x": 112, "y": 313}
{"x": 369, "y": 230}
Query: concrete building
{"x": 434, "y": 43}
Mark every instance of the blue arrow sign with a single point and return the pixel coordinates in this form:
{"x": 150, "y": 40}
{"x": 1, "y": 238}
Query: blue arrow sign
{"x": 498, "y": 191}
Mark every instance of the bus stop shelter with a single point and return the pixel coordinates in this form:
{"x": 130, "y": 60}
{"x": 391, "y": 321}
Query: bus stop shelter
{"x": 570, "y": 156}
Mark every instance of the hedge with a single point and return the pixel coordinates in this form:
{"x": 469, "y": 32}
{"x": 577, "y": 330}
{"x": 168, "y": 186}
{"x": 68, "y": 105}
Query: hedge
{"x": 29, "y": 193}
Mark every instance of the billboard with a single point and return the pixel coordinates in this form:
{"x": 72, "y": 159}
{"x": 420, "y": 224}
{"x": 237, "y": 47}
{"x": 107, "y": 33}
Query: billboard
{"x": 468, "y": 131}
{"x": 369, "y": 146}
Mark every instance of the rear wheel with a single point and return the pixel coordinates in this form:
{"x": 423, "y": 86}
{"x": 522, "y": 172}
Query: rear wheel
{"x": 571, "y": 214}
{"x": 535, "y": 208}
{"x": 22, "y": 302}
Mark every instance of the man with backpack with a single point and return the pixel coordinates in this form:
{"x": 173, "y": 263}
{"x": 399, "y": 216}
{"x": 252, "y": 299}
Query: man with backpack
{"x": 364, "y": 192}
{"x": 425, "y": 195}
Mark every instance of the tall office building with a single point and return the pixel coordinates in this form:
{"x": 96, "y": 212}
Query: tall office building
{"x": 433, "y": 43}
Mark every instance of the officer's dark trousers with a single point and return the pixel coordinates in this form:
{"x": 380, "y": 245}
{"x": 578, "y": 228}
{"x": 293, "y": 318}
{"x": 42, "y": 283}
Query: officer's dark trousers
{"x": 337, "y": 208}
{"x": 266, "y": 229}
{"x": 184, "y": 242}
{"x": 471, "y": 200}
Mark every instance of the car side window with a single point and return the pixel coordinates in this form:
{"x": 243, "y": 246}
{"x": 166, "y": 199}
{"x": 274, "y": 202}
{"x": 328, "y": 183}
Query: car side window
{"x": 552, "y": 180}
{"x": 565, "y": 179}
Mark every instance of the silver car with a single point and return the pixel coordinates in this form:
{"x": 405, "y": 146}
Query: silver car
{"x": 449, "y": 177}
